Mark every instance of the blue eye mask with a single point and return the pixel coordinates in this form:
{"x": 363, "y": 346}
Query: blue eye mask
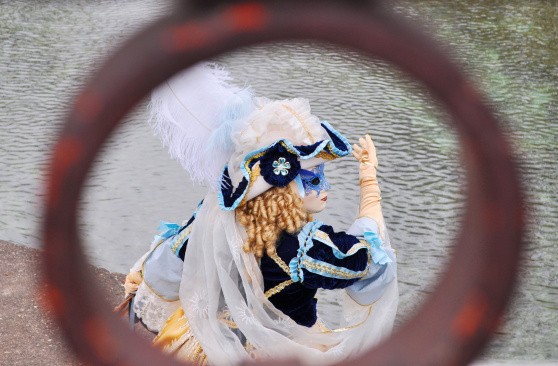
{"x": 314, "y": 180}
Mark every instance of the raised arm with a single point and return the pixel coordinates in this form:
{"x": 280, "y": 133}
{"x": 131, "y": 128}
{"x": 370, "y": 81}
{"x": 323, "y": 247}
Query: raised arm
{"x": 370, "y": 221}
{"x": 370, "y": 195}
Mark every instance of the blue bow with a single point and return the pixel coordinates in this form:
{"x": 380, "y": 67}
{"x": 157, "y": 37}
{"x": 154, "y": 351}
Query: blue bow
{"x": 168, "y": 229}
{"x": 379, "y": 254}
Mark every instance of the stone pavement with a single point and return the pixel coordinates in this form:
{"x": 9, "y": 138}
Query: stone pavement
{"x": 28, "y": 336}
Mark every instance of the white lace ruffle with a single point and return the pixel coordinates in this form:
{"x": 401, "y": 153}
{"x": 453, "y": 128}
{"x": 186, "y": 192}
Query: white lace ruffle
{"x": 151, "y": 309}
{"x": 289, "y": 119}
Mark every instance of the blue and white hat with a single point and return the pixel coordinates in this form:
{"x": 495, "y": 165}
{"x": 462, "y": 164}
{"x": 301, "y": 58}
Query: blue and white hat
{"x": 235, "y": 143}
{"x": 271, "y": 146}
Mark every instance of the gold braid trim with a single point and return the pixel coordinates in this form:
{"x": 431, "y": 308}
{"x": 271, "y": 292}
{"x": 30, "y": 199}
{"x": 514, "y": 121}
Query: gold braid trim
{"x": 333, "y": 271}
{"x": 324, "y": 155}
{"x": 226, "y": 318}
{"x": 182, "y": 236}
{"x": 280, "y": 263}
{"x": 280, "y": 287}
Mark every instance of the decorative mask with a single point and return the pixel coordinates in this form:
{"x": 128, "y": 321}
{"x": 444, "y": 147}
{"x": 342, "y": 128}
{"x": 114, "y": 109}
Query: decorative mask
{"x": 314, "y": 180}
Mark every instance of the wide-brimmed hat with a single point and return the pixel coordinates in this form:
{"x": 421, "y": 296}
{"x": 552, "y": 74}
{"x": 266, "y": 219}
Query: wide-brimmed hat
{"x": 274, "y": 142}
{"x": 235, "y": 143}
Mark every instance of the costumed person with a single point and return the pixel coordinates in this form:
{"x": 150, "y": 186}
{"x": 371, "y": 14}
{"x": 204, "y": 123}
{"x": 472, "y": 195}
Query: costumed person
{"x": 238, "y": 280}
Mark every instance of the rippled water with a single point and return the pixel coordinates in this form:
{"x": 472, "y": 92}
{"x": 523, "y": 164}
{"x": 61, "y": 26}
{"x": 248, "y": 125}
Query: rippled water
{"x": 509, "y": 48}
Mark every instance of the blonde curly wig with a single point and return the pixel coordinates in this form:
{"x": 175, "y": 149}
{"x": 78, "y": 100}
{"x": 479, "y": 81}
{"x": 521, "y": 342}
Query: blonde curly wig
{"x": 267, "y": 215}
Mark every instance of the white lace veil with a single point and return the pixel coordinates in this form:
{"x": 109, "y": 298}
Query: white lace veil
{"x": 223, "y": 299}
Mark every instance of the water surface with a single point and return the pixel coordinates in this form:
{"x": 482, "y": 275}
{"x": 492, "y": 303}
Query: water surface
{"x": 48, "y": 49}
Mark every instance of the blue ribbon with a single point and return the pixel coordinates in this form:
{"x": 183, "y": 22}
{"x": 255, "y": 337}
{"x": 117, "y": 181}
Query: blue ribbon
{"x": 296, "y": 273}
{"x": 379, "y": 254}
{"x": 168, "y": 229}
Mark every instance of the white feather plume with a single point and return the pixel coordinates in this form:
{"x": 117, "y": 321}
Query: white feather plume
{"x": 194, "y": 114}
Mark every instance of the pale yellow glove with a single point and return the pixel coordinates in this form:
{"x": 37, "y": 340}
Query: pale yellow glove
{"x": 369, "y": 189}
{"x": 133, "y": 280}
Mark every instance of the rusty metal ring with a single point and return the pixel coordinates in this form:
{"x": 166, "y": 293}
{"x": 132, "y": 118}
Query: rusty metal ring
{"x": 454, "y": 323}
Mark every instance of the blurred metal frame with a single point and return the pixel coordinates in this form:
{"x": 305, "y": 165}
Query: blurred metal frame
{"x": 455, "y": 322}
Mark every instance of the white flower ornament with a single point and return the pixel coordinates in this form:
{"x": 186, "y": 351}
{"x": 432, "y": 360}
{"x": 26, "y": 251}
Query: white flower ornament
{"x": 281, "y": 166}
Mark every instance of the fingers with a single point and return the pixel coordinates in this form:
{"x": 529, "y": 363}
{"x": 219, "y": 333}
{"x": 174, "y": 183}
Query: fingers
{"x": 362, "y": 142}
{"x": 366, "y": 142}
{"x": 370, "y": 145}
{"x": 367, "y": 145}
{"x": 130, "y": 288}
{"x": 357, "y": 149}
{"x": 365, "y": 150}
{"x": 371, "y": 151}
{"x": 134, "y": 278}
{"x": 358, "y": 152}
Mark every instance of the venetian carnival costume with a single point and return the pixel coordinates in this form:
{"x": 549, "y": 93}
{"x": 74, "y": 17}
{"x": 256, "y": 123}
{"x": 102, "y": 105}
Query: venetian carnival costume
{"x": 238, "y": 280}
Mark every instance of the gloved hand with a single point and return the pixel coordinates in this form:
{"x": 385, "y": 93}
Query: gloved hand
{"x": 133, "y": 280}
{"x": 369, "y": 189}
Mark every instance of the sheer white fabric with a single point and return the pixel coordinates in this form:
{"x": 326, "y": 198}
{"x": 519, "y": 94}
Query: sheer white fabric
{"x": 222, "y": 296}
{"x": 151, "y": 309}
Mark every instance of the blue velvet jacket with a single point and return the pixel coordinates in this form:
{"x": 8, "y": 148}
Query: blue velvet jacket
{"x": 317, "y": 257}
{"x": 312, "y": 265}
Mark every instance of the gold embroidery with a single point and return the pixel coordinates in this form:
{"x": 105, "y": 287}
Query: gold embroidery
{"x": 247, "y": 163}
{"x": 324, "y": 155}
{"x": 280, "y": 263}
{"x": 333, "y": 153}
{"x": 280, "y": 287}
{"x": 333, "y": 271}
{"x": 181, "y": 238}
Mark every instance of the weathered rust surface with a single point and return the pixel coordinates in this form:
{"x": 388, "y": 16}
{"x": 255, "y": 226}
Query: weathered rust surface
{"x": 455, "y": 322}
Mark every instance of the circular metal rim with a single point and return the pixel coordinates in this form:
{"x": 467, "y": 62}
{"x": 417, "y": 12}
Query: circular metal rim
{"x": 454, "y": 323}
